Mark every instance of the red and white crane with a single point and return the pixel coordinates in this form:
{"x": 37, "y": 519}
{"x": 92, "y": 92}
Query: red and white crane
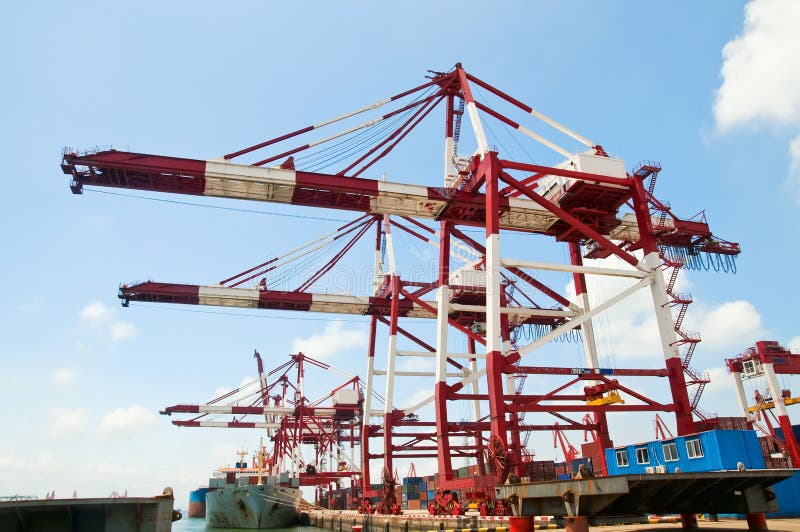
{"x": 765, "y": 361}
{"x": 559, "y": 438}
{"x": 585, "y": 200}
{"x": 275, "y": 401}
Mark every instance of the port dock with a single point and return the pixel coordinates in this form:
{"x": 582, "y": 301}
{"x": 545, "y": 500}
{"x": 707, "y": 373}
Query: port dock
{"x": 718, "y": 492}
{"x": 120, "y": 514}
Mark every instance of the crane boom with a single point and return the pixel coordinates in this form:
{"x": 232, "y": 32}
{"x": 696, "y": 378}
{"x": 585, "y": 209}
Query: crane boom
{"x": 119, "y": 169}
{"x": 223, "y": 296}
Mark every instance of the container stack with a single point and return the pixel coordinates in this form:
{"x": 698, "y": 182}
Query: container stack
{"x": 578, "y": 462}
{"x": 541, "y": 470}
{"x": 431, "y": 485}
{"x": 412, "y": 489}
{"x": 563, "y": 471}
{"x": 773, "y": 457}
{"x": 594, "y": 452}
{"x": 723, "y": 423}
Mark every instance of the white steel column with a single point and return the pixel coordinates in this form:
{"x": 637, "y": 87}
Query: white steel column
{"x": 775, "y": 389}
{"x": 666, "y": 325}
{"x": 740, "y": 395}
{"x": 792, "y": 446}
{"x": 449, "y": 147}
{"x": 392, "y": 348}
{"x": 493, "y": 342}
{"x": 442, "y": 310}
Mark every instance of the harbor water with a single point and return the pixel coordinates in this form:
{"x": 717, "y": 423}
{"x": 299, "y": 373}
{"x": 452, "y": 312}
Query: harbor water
{"x": 198, "y": 524}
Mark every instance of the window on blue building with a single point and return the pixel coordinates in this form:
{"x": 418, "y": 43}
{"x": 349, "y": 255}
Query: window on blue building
{"x": 642, "y": 456}
{"x": 622, "y": 458}
{"x": 670, "y": 452}
{"x": 694, "y": 448}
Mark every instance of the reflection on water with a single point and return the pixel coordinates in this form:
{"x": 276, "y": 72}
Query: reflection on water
{"x": 194, "y": 524}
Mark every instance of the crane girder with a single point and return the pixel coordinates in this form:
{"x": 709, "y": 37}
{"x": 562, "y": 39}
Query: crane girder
{"x": 119, "y": 169}
{"x": 223, "y": 296}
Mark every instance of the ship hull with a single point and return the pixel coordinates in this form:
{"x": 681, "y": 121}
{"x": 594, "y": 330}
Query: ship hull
{"x": 254, "y": 507}
{"x": 197, "y": 502}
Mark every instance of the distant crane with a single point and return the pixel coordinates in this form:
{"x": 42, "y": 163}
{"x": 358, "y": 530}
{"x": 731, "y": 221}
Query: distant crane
{"x": 559, "y": 438}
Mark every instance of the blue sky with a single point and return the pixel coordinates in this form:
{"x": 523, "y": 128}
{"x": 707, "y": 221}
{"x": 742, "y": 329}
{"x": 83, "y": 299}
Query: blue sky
{"x": 83, "y": 378}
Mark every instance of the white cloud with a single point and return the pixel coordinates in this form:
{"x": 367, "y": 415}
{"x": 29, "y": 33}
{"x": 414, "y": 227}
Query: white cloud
{"x": 31, "y": 308}
{"x": 629, "y": 330}
{"x": 95, "y": 312}
{"x": 732, "y": 325}
{"x": 127, "y": 420}
{"x": 794, "y": 161}
{"x": 248, "y": 388}
{"x": 102, "y": 321}
{"x": 417, "y": 364}
{"x": 64, "y": 376}
{"x": 66, "y": 422}
{"x": 334, "y": 339}
{"x": 794, "y": 153}
{"x": 759, "y": 83}
{"x": 794, "y": 344}
{"x": 721, "y": 382}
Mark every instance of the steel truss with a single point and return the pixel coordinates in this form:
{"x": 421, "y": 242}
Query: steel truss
{"x": 768, "y": 359}
{"x": 276, "y": 401}
{"x": 577, "y": 202}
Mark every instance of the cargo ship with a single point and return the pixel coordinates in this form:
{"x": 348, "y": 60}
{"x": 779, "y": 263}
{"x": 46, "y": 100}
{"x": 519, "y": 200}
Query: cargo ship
{"x": 197, "y": 502}
{"x": 271, "y": 504}
{"x": 246, "y": 497}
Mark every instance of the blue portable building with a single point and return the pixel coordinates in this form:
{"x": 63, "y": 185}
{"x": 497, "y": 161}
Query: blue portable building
{"x": 713, "y": 450}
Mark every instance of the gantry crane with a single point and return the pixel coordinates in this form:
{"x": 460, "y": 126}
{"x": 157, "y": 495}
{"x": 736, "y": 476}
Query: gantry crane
{"x": 768, "y": 359}
{"x": 585, "y": 200}
{"x": 559, "y": 438}
{"x": 330, "y": 424}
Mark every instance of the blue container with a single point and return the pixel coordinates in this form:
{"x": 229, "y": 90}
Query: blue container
{"x": 795, "y": 430}
{"x": 578, "y": 462}
{"x": 788, "y": 495}
{"x": 565, "y": 476}
{"x": 713, "y": 450}
{"x": 431, "y": 494}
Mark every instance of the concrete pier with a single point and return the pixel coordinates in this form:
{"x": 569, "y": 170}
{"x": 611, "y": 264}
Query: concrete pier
{"x": 120, "y": 514}
{"x": 344, "y": 521}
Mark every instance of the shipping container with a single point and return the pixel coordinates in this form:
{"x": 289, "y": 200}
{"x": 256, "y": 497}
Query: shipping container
{"x": 795, "y": 430}
{"x": 578, "y": 462}
{"x": 714, "y": 450}
{"x": 787, "y": 493}
{"x": 723, "y": 423}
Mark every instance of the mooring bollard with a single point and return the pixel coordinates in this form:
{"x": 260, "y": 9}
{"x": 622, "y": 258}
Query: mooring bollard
{"x": 756, "y": 522}
{"x": 520, "y": 524}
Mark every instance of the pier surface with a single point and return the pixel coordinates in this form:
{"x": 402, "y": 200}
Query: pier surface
{"x": 118, "y": 514}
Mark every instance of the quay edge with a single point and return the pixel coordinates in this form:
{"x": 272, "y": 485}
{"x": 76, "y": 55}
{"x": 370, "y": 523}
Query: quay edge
{"x": 121, "y": 514}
